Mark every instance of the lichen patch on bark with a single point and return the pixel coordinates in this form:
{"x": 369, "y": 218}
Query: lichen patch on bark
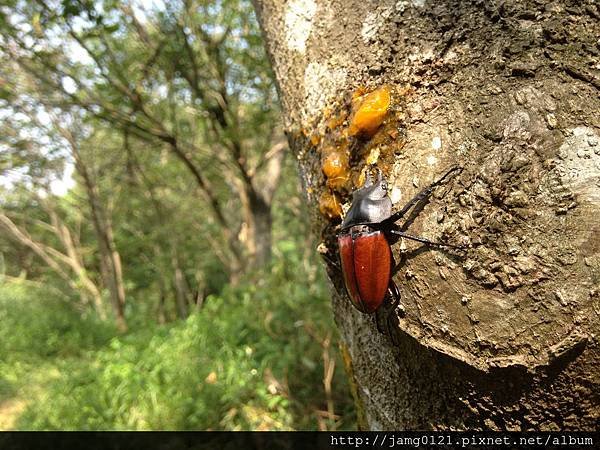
{"x": 322, "y": 84}
{"x": 580, "y": 163}
{"x": 298, "y": 23}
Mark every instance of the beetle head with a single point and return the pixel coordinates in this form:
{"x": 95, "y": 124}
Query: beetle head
{"x": 377, "y": 189}
{"x": 370, "y": 204}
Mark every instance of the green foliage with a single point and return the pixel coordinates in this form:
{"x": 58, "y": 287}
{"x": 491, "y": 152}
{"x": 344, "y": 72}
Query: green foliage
{"x": 164, "y": 117}
{"x": 36, "y": 326}
{"x": 250, "y": 359}
{"x": 36, "y": 323}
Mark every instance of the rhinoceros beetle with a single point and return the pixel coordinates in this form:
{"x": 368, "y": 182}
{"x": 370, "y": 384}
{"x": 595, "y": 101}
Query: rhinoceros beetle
{"x": 364, "y": 242}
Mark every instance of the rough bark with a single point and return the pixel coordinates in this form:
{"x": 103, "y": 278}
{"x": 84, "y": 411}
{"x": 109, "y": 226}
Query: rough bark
{"x": 504, "y": 335}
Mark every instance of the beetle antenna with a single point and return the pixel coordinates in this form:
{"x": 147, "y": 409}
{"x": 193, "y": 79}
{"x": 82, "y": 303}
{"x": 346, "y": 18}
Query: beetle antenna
{"x": 424, "y": 240}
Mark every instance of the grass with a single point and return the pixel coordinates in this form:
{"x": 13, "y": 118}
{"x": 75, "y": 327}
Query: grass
{"x": 252, "y": 359}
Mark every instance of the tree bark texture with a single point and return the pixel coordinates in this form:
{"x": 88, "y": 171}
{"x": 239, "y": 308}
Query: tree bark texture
{"x": 505, "y": 334}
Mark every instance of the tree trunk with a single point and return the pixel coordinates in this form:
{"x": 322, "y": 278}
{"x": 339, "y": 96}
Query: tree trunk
{"x": 504, "y": 334}
{"x": 258, "y": 221}
{"x": 161, "y": 316}
{"x": 83, "y": 285}
{"x": 256, "y": 194}
{"x": 110, "y": 259}
{"x": 76, "y": 261}
{"x": 180, "y": 284}
{"x": 262, "y": 224}
{"x": 116, "y": 284}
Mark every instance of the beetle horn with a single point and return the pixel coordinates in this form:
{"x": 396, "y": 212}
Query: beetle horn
{"x": 369, "y": 177}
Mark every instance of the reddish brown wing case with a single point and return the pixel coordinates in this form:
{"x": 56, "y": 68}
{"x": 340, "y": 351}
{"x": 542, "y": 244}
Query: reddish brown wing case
{"x": 366, "y": 265}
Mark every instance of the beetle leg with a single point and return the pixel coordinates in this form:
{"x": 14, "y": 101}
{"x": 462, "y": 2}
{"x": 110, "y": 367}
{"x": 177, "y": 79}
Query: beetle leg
{"x": 423, "y": 240}
{"x": 331, "y": 262}
{"x": 384, "y": 317}
{"x": 393, "y": 324}
{"x": 395, "y": 295}
{"x": 421, "y": 195}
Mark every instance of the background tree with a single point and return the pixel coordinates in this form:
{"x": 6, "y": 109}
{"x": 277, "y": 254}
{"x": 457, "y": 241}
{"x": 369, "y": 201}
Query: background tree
{"x": 122, "y": 94}
{"x": 504, "y": 335}
{"x": 142, "y": 175}
{"x": 188, "y": 77}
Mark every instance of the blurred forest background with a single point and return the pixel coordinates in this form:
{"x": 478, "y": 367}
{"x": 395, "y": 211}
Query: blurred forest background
{"x": 156, "y": 264}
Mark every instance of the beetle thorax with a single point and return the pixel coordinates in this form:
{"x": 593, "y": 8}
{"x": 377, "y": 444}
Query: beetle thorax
{"x": 370, "y": 205}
